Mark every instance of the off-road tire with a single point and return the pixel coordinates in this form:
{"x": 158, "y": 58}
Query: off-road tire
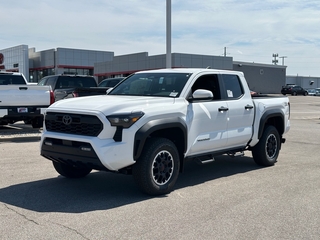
{"x": 157, "y": 170}
{"x": 266, "y": 152}
{"x": 69, "y": 171}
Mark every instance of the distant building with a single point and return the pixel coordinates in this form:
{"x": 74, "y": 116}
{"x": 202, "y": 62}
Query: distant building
{"x": 303, "y": 81}
{"x": 65, "y": 60}
{"x": 264, "y": 78}
{"x": 15, "y": 59}
{"x": 127, "y": 64}
{"x": 35, "y": 65}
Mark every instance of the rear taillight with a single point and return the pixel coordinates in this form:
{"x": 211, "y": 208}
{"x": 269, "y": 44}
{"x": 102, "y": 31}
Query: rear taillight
{"x": 51, "y": 97}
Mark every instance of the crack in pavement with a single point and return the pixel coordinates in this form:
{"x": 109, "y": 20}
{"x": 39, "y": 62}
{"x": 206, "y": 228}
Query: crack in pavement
{"x": 30, "y": 220}
{"x": 22, "y": 215}
{"x": 74, "y": 230}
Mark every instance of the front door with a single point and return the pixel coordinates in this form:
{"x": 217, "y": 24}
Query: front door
{"x": 207, "y": 119}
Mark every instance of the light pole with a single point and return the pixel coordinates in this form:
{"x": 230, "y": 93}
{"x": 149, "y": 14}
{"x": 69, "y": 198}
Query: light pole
{"x": 283, "y": 57}
{"x": 168, "y": 33}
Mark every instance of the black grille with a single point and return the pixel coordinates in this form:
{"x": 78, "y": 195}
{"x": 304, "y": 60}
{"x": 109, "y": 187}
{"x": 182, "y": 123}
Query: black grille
{"x": 86, "y": 125}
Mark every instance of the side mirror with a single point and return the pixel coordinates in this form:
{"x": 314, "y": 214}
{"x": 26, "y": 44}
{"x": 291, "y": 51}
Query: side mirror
{"x": 202, "y": 94}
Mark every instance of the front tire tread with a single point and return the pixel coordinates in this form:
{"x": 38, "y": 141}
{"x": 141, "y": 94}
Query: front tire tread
{"x": 144, "y": 169}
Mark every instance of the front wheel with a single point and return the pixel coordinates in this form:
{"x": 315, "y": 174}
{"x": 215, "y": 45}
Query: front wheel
{"x": 157, "y": 170}
{"x": 266, "y": 152}
{"x": 69, "y": 171}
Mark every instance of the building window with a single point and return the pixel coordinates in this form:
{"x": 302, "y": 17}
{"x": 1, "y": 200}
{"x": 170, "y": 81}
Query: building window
{"x": 36, "y": 75}
{"x": 79, "y": 71}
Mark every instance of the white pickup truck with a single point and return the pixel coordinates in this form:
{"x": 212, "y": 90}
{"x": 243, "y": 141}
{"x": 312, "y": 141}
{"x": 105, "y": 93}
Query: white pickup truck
{"x": 21, "y": 101}
{"x": 154, "y": 121}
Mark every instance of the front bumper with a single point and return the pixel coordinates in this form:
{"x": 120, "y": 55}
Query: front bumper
{"x": 92, "y": 152}
{"x": 71, "y": 152}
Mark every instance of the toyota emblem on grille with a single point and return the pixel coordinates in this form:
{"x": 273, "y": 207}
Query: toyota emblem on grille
{"x": 67, "y": 119}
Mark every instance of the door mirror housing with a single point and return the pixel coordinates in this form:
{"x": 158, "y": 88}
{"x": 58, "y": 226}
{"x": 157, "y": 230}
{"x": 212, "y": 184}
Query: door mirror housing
{"x": 200, "y": 94}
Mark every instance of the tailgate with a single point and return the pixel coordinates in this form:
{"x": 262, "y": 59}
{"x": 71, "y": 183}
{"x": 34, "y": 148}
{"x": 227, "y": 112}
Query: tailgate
{"x": 24, "y": 95}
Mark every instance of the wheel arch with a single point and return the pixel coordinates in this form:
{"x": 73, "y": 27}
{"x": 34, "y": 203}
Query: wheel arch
{"x": 174, "y": 129}
{"x": 272, "y": 117}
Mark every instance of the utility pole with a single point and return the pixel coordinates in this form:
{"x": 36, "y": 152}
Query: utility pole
{"x": 283, "y": 57}
{"x": 275, "y": 60}
{"x": 225, "y": 51}
{"x": 168, "y": 55}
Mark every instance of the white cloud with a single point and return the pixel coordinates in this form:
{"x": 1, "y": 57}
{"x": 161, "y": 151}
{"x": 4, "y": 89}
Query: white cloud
{"x": 251, "y": 30}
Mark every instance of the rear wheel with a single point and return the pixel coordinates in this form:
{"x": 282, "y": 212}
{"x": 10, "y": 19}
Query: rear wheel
{"x": 69, "y": 171}
{"x": 266, "y": 152}
{"x": 157, "y": 170}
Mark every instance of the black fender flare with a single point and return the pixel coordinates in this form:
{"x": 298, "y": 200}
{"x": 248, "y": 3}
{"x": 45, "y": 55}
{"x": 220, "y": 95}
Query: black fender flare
{"x": 272, "y": 113}
{"x": 155, "y": 125}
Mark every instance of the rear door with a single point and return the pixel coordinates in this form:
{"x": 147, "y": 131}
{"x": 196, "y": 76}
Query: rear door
{"x": 240, "y": 110}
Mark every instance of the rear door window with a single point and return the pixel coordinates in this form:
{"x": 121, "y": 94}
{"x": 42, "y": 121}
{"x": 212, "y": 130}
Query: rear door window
{"x": 232, "y": 86}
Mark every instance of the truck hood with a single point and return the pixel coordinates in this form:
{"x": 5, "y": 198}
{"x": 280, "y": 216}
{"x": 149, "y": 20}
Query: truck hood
{"x": 111, "y": 104}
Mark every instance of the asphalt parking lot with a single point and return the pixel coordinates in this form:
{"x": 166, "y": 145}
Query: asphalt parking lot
{"x": 230, "y": 198}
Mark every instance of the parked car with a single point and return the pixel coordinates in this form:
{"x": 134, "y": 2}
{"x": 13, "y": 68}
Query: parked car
{"x": 293, "y": 90}
{"x": 69, "y": 86}
{"x": 110, "y": 82}
{"x": 317, "y": 92}
{"x": 311, "y": 92}
{"x": 22, "y": 101}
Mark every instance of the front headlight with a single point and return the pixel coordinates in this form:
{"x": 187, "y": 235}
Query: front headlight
{"x": 124, "y": 120}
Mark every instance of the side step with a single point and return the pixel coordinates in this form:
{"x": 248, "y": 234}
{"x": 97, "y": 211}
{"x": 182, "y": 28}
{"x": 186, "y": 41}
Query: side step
{"x": 235, "y": 154}
{"x": 204, "y": 159}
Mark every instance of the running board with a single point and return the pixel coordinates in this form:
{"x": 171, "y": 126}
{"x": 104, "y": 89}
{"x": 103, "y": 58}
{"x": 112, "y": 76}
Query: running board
{"x": 204, "y": 159}
{"x": 208, "y": 161}
{"x": 235, "y": 154}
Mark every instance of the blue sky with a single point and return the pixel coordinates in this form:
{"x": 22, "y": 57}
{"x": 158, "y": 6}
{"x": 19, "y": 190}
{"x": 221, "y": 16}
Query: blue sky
{"x": 251, "y": 30}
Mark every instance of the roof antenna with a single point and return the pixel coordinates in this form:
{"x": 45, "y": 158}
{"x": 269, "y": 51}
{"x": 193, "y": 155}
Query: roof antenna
{"x": 208, "y": 67}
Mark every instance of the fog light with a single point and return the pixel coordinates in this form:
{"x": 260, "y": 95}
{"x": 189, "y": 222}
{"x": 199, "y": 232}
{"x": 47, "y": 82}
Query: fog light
{"x": 87, "y": 149}
{"x": 48, "y": 143}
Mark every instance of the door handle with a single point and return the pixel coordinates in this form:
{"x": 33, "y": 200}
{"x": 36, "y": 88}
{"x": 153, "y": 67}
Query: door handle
{"x": 222, "y": 109}
{"x": 248, "y": 107}
{"x": 23, "y": 88}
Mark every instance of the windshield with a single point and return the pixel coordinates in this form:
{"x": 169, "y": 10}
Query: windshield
{"x": 152, "y": 84}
